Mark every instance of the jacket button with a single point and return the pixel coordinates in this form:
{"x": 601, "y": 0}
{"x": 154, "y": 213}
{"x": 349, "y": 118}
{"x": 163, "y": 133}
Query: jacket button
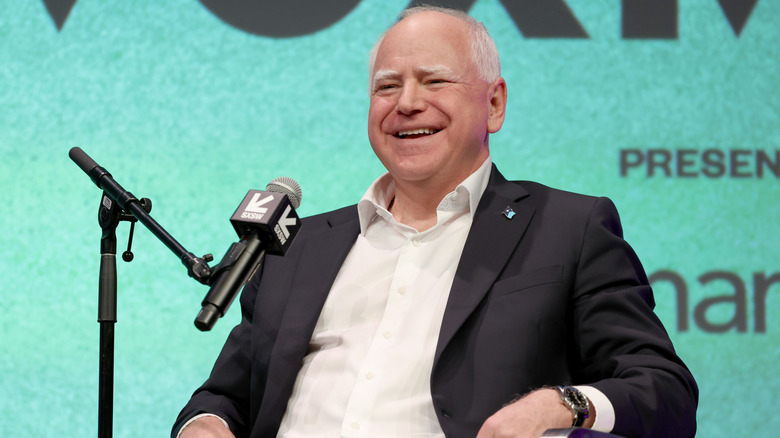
{"x": 445, "y": 413}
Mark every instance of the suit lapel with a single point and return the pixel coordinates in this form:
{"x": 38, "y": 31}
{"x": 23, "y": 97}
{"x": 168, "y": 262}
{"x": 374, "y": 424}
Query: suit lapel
{"x": 491, "y": 241}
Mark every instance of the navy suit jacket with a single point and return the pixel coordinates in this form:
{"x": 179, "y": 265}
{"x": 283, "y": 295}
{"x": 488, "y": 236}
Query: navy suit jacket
{"x": 552, "y": 296}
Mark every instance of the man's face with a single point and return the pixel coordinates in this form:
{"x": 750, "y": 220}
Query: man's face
{"x": 430, "y": 113}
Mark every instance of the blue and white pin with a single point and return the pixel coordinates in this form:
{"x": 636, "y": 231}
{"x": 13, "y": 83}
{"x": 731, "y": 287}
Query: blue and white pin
{"x": 509, "y": 213}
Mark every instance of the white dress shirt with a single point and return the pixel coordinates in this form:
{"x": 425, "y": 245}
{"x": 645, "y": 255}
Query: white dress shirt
{"x": 368, "y": 370}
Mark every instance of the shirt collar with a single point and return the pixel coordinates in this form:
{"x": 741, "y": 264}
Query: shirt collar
{"x": 379, "y": 194}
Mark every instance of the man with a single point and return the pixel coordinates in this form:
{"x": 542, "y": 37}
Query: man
{"x": 449, "y": 301}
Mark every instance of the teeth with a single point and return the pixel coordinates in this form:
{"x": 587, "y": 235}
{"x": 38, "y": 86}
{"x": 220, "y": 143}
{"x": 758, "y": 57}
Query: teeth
{"x": 426, "y": 131}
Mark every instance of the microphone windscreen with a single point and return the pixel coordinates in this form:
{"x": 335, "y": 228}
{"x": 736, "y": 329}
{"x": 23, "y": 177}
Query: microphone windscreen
{"x": 287, "y": 186}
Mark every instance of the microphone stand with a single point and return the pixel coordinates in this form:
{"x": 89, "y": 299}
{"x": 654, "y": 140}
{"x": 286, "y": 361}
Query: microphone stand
{"x": 108, "y": 218}
{"x": 117, "y": 205}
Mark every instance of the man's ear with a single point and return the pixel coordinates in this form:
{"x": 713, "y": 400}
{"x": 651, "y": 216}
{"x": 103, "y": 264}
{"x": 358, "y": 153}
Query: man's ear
{"x": 497, "y": 104}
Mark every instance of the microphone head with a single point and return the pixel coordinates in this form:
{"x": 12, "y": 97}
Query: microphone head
{"x": 271, "y": 214}
{"x": 286, "y": 186}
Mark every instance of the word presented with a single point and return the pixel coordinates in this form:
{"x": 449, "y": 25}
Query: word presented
{"x": 694, "y": 163}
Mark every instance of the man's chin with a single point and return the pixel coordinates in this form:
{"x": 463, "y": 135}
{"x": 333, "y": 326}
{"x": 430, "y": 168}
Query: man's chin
{"x": 417, "y": 175}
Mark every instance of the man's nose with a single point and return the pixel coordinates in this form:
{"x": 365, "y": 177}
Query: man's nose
{"x": 411, "y": 99}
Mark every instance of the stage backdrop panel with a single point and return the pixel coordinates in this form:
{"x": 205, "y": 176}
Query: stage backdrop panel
{"x": 671, "y": 108}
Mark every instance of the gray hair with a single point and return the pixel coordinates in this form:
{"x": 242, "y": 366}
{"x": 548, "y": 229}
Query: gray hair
{"x": 483, "y": 49}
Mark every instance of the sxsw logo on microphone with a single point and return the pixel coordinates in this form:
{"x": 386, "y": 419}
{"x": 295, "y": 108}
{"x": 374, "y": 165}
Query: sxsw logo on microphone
{"x": 286, "y": 222}
{"x": 255, "y": 209}
{"x": 271, "y": 215}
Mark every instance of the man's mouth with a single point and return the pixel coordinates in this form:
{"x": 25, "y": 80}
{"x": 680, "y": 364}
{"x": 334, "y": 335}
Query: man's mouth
{"x": 416, "y": 133}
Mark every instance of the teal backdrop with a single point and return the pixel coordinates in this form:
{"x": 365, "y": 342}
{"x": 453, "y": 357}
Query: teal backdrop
{"x": 680, "y": 128}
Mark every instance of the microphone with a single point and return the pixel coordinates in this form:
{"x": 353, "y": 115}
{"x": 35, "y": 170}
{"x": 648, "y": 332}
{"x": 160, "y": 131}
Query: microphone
{"x": 266, "y": 222}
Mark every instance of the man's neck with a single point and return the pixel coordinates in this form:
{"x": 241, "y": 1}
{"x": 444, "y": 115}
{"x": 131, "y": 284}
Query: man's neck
{"x": 413, "y": 211}
{"x": 415, "y": 203}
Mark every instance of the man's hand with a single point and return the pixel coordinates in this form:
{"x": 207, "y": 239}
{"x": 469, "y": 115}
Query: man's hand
{"x": 206, "y": 427}
{"x": 530, "y": 416}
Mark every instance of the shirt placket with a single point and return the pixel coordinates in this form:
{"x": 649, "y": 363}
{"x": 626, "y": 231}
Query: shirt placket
{"x": 378, "y": 362}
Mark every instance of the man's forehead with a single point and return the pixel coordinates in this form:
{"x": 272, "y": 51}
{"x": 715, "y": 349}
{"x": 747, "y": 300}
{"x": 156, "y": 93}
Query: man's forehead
{"x": 433, "y": 69}
{"x": 425, "y": 33}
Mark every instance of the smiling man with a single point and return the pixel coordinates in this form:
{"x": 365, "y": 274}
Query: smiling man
{"x": 448, "y": 301}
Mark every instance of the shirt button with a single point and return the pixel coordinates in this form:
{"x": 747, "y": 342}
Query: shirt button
{"x": 355, "y": 425}
{"x": 370, "y": 375}
{"x": 402, "y": 290}
{"x": 416, "y": 242}
{"x": 387, "y": 334}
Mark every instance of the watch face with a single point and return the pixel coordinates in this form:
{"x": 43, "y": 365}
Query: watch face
{"x": 579, "y": 404}
{"x": 577, "y": 398}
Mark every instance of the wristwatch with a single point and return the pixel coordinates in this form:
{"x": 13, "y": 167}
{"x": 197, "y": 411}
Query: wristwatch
{"x": 575, "y": 400}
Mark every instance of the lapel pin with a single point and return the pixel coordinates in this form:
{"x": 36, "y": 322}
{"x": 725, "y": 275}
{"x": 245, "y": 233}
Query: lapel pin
{"x": 509, "y": 213}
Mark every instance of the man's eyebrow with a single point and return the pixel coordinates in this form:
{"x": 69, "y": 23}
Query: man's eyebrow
{"x": 384, "y": 74}
{"x": 437, "y": 70}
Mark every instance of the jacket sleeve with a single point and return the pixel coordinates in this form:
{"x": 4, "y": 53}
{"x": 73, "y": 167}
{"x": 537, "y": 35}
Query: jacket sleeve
{"x": 623, "y": 349}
